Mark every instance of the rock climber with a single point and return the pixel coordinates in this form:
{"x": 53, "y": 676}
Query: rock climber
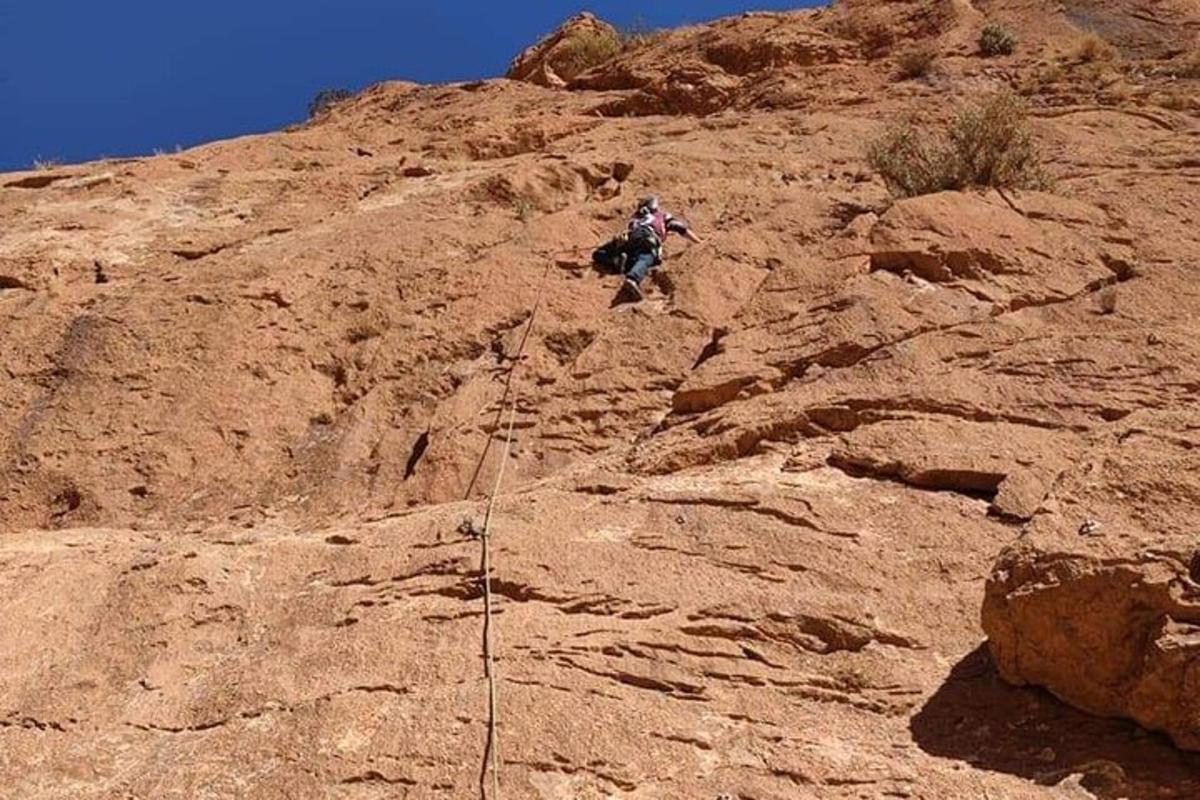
{"x": 639, "y": 249}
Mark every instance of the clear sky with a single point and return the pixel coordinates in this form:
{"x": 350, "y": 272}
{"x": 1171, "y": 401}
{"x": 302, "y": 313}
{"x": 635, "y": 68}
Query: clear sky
{"x": 83, "y": 79}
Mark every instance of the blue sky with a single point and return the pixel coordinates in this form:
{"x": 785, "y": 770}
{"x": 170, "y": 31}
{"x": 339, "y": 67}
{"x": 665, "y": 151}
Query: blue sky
{"x": 83, "y": 79}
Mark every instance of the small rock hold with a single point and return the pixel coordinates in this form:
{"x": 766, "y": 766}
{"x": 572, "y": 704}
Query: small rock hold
{"x": 470, "y": 528}
{"x": 608, "y": 190}
{"x": 1107, "y": 299}
{"x": 1090, "y": 527}
{"x": 87, "y": 181}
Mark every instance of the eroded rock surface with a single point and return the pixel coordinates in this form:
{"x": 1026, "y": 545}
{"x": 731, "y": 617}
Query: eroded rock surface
{"x": 1100, "y": 600}
{"x": 252, "y": 392}
{"x": 557, "y": 58}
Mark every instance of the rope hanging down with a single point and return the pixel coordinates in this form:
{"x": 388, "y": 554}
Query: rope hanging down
{"x": 508, "y": 384}
{"x": 491, "y": 751}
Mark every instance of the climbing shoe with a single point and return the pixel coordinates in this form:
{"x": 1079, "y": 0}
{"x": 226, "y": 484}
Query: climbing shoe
{"x": 630, "y": 291}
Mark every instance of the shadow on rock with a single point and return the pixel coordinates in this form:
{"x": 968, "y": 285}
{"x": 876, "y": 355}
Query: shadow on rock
{"x": 579, "y": 267}
{"x": 978, "y": 718}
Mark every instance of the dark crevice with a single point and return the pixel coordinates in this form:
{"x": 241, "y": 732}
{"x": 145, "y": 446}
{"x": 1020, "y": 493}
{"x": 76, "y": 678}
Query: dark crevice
{"x": 197, "y": 253}
{"x": 30, "y": 723}
{"x": 273, "y": 296}
{"x": 374, "y": 776}
{"x": 975, "y": 484}
{"x": 65, "y": 502}
{"x": 35, "y": 181}
{"x": 1008, "y": 517}
{"x": 418, "y": 450}
{"x": 1119, "y": 267}
{"x": 713, "y": 348}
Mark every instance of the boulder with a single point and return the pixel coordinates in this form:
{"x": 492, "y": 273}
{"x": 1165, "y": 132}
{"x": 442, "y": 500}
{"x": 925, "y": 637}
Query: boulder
{"x": 983, "y": 245}
{"x": 1099, "y": 600}
{"x": 554, "y": 60}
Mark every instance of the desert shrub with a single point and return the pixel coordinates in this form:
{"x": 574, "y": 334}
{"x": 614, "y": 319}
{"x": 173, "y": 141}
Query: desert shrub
{"x": 909, "y": 162}
{"x": 875, "y": 36}
{"x": 1094, "y": 48}
{"x": 1042, "y": 78}
{"x": 986, "y": 145}
{"x": 916, "y": 61}
{"x": 42, "y": 164}
{"x": 585, "y": 49}
{"x": 993, "y": 145}
{"x": 997, "y": 40}
{"x": 523, "y": 208}
{"x": 325, "y": 99}
{"x": 637, "y": 34}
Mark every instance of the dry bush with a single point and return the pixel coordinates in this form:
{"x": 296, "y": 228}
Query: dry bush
{"x": 944, "y": 14}
{"x": 1094, "y": 48}
{"x": 585, "y": 49}
{"x": 994, "y": 146}
{"x": 997, "y": 40}
{"x": 637, "y": 34}
{"x": 875, "y": 35}
{"x": 986, "y": 145}
{"x": 1099, "y": 74}
{"x": 326, "y": 99}
{"x": 916, "y": 61}
{"x": 1041, "y": 79}
{"x": 42, "y": 164}
{"x": 523, "y": 208}
{"x": 909, "y": 162}
{"x": 880, "y": 25}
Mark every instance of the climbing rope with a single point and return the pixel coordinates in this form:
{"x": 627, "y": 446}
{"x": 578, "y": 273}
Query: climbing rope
{"x": 508, "y": 383}
{"x": 491, "y": 751}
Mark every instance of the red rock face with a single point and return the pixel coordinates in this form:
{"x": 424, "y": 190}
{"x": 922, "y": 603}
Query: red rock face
{"x": 251, "y": 391}
{"x": 1099, "y": 599}
{"x": 561, "y": 56}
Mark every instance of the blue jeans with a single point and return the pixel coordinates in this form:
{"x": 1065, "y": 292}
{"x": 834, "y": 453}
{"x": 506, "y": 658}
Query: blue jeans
{"x": 641, "y": 266}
